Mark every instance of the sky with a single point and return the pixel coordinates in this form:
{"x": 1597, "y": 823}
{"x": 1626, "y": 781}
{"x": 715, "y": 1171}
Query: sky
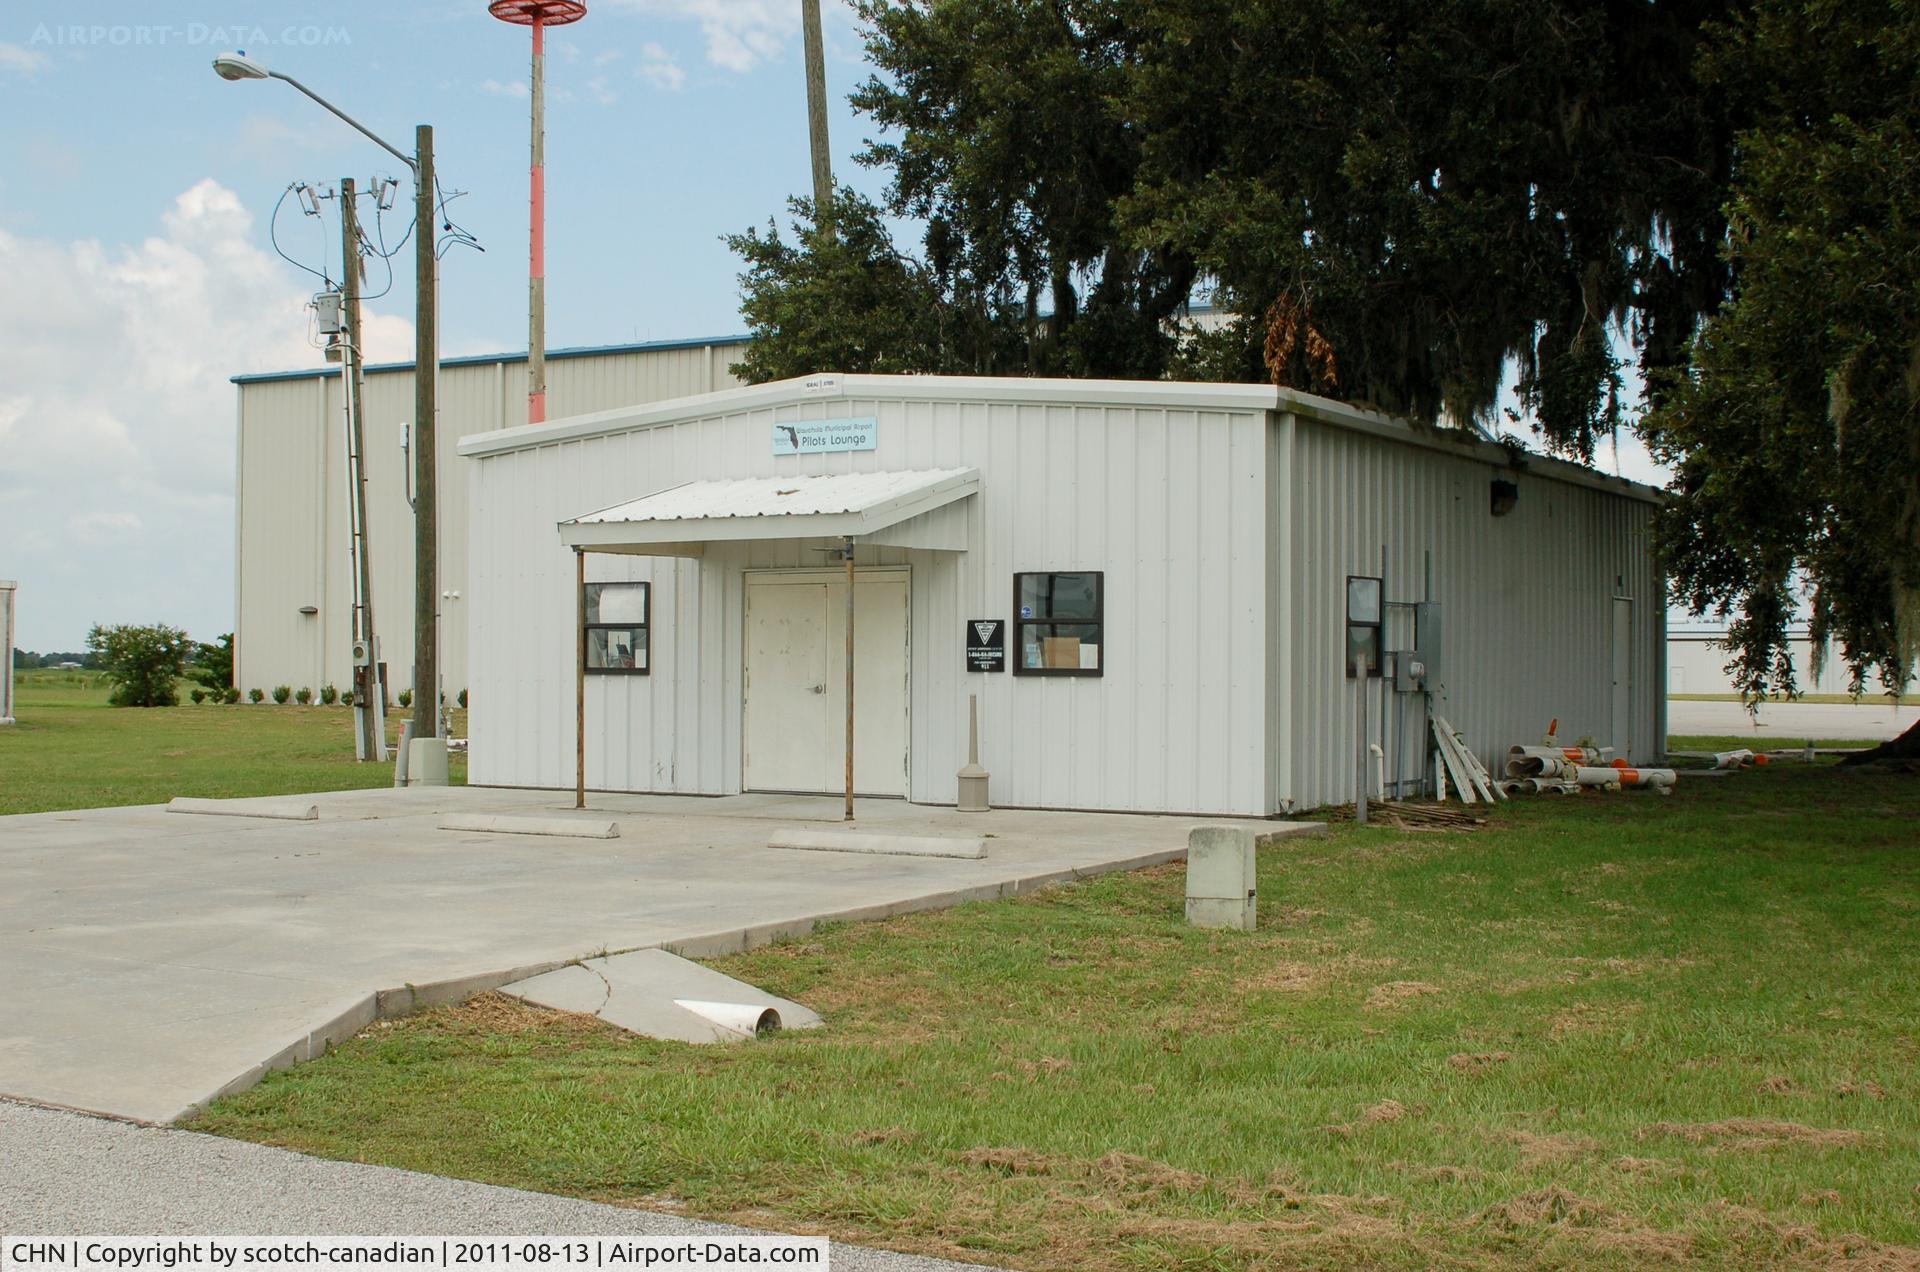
{"x": 137, "y": 235}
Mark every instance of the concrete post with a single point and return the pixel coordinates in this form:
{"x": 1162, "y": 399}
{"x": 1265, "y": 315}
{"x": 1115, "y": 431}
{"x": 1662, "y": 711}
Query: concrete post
{"x": 1220, "y": 878}
{"x": 7, "y": 589}
{"x": 973, "y": 778}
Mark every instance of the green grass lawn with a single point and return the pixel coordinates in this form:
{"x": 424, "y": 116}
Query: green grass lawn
{"x": 1612, "y": 1031}
{"x": 71, "y": 750}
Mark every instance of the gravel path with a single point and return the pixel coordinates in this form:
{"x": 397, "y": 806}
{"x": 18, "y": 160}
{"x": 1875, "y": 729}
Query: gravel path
{"x": 70, "y": 1174}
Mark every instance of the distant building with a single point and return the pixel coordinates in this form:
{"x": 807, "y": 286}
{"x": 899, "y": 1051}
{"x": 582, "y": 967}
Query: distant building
{"x": 293, "y": 589}
{"x": 1697, "y": 660}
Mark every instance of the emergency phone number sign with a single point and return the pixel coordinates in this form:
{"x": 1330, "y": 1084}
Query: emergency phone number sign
{"x": 987, "y": 644}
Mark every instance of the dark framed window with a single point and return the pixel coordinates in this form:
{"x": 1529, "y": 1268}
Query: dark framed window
{"x": 1366, "y": 615}
{"x": 1059, "y": 623}
{"x": 618, "y": 615}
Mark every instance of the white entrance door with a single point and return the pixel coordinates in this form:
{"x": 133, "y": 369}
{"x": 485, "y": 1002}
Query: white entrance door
{"x": 796, "y": 682}
{"x": 1622, "y": 678}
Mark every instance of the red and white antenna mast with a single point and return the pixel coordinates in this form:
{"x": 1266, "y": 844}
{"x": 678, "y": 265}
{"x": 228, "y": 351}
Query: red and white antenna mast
{"x": 538, "y": 14}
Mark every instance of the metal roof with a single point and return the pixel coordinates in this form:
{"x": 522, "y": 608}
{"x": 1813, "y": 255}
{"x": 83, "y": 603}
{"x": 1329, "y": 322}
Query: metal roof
{"x": 786, "y": 507}
{"x": 488, "y": 359}
{"x": 1179, "y": 394}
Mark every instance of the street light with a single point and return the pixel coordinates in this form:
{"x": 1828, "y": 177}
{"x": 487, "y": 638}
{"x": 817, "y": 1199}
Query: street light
{"x": 426, "y": 760}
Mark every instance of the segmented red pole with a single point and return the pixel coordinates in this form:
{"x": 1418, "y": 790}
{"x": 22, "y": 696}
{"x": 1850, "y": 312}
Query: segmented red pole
{"x": 537, "y": 239}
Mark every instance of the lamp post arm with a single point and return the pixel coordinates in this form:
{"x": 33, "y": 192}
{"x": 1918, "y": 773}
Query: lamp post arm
{"x": 372, "y": 136}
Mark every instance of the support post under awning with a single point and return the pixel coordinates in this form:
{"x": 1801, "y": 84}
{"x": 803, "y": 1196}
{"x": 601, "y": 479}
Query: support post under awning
{"x": 580, "y": 681}
{"x": 848, "y": 553}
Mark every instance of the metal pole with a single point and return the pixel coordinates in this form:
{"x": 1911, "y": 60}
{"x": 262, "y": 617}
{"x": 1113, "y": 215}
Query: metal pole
{"x": 1360, "y": 772}
{"x": 817, "y": 115}
{"x": 580, "y": 682}
{"x": 849, "y": 556}
{"x": 426, "y": 546}
{"x": 537, "y": 237}
{"x": 365, "y": 679}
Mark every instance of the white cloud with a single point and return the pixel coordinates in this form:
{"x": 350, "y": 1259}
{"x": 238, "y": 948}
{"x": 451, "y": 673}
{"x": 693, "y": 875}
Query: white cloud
{"x": 513, "y": 88}
{"x": 601, "y": 91}
{"x": 660, "y": 69}
{"x": 117, "y": 418}
{"x": 607, "y": 57}
{"x": 740, "y": 34}
{"x": 15, "y": 60}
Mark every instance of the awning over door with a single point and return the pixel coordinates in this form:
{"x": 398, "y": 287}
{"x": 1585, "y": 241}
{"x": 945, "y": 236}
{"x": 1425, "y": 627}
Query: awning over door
{"x": 914, "y": 509}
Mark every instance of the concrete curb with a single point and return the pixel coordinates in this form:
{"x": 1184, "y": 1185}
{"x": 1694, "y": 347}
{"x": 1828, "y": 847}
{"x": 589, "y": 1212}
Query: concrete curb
{"x": 508, "y": 824}
{"x": 870, "y": 842}
{"x": 274, "y": 810}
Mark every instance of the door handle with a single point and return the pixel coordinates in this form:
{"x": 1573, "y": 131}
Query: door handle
{"x": 818, "y": 689}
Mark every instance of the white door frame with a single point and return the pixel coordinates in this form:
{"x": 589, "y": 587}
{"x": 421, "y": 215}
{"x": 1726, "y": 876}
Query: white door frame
{"x": 810, "y": 574}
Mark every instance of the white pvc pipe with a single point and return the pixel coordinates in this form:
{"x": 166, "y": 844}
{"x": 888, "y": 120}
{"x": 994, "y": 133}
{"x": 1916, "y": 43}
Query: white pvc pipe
{"x": 1621, "y": 775}
{"x": 748, "y": 1020}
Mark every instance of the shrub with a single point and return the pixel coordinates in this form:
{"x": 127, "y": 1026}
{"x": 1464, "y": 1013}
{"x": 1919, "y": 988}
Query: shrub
{"x": 281, "y": 693}
{"x": 199, "y": 696}
{"x": 346, "y": 699}
{"x": 231, "y": 696}
{"x": 304, "y": 697}
{"x": 463, "y": 699}
{"x": 406, "y": 699}
{"x": 213, "y": 664}
{"x": 142, "y": 662}
{"x": 328, "y": 695}
{"x": 254, "y": 695}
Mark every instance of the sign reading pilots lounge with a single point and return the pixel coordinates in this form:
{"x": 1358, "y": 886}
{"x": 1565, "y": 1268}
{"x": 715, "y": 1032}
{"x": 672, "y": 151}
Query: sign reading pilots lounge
{"x": 987, "y": 644}
{"x": 823, "y": 437}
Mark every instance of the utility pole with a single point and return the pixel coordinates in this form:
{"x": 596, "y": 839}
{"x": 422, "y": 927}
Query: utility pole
{"x": 366, "y": 676}
{"x": 539, "y": 15}
{"x": 817, "y": 116}
{"x": 426, "y": 374}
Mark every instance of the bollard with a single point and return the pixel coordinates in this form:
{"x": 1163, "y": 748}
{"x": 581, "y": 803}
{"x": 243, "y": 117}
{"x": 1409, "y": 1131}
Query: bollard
{"x": 1220, "y": 878}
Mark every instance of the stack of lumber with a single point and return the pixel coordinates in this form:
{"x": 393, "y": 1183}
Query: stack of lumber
{"x": 1463, "y": 769}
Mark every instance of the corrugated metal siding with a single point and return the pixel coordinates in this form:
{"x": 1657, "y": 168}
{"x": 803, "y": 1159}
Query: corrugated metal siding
{"x": 292, "y": 500}
{"x": 1528, "y": 599}
{"x": 1171, "y": 504}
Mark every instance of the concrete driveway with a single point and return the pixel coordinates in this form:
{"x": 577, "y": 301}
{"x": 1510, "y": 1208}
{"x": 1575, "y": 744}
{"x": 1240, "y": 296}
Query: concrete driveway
{"x": 1791, "y": 723}
{"x": 150, "y": 961}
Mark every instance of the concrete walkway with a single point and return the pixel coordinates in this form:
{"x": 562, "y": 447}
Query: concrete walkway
{"x": 151, "y": 961}
{"x": 1791, "y": 723}
{"x": 65, "y": 1174}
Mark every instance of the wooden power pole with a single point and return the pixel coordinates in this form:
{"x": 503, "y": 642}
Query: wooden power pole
{"x": 817, "y": 116}
{"x": 366, "y": 679}
{"x": 426, "y": 373}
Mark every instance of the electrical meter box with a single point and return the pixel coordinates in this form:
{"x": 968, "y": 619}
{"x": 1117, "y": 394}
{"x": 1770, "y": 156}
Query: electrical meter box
{"x": 1427, "y": 645}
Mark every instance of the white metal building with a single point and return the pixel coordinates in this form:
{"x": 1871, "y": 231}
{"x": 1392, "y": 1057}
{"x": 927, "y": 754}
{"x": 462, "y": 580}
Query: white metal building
{"x": 1170, "y": 562}
{"x": 1697, "y": 659}
{"x": 293, "y": 588}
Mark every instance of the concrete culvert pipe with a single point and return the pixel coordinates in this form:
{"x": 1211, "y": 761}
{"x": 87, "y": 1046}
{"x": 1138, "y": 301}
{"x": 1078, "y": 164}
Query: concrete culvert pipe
{"x": 748, "y": 1020}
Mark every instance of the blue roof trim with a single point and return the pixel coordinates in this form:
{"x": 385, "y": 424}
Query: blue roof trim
{"x": 486, "y": 359}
